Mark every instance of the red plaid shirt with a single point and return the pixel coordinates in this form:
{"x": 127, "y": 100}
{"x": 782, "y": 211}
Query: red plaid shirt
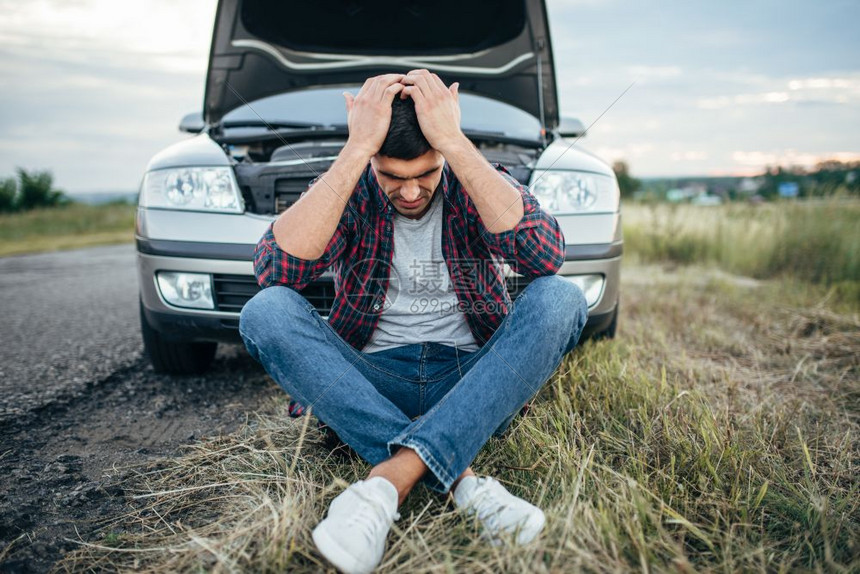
{"x": 361, "y": 249}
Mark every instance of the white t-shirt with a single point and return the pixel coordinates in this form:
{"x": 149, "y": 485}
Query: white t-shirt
{"x": 420, "y": 304}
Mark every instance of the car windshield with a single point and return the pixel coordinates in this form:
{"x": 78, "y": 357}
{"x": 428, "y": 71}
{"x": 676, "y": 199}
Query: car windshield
{"x": 325, "y": 107}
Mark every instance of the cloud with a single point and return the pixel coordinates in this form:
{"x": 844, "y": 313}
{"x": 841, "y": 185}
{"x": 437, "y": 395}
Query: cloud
{"x": 157, "y": 34}
{"x": 817, "y": 90}
{"x": 789, "y": 157}
{"x": 641, "y": 73}
{"x": 626, "y": 152}
{"x": 742, "y": 100}
{"x": 154, "y": 26}
{"x": 688, "y": 156}
{"x": 824, "y": 83}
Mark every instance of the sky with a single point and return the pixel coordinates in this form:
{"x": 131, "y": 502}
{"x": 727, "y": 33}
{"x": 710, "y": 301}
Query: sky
{"x": 91, "y": 89}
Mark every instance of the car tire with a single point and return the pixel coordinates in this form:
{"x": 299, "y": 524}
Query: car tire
{"x": 609, "y": 332}
{"x": 175, "y": 358}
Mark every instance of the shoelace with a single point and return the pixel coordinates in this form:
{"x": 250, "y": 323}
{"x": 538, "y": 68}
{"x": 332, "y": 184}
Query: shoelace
{"x": 371, "y": 517}
{"x": 487, "y": 506}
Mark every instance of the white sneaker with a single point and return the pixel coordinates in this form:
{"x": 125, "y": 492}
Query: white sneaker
{"x": 499, "y": 511}
{"x": 352, "y": 537}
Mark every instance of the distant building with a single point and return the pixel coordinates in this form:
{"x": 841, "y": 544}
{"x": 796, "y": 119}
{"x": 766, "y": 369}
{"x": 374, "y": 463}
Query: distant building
{"x": 686, "y": 193}
{"x": 720, "y": 189}
{"x": 750, "y": 185}
{"x": 789, "y": 189}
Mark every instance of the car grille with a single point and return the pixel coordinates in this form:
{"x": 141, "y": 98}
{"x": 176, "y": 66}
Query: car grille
{"x": 233, "y": 291}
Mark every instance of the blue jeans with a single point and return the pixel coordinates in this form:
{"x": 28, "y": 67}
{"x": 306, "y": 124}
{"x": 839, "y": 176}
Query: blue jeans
{"x": 442, "y": 402}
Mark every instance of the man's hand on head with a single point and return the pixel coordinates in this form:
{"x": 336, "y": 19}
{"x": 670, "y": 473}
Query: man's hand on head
{"x": 437, "y": 108}
{"x": 369, "y": 112}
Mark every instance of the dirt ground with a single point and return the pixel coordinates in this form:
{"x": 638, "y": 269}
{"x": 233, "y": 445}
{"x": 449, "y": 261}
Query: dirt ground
{"x": 61, "y": 468}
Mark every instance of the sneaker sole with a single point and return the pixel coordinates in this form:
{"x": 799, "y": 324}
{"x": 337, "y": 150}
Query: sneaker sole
{"x": 334, "y": 553}
{"x": 530, "y": 530}
{"x": 524, "y": 534}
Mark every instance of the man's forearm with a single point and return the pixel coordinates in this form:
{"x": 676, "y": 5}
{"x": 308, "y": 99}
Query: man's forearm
{"x": 499, "y": 205}
{"x": 305, "y": 229}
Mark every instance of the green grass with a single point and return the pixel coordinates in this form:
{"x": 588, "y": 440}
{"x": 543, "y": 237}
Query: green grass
{"x": 814, "y": 241}
{"x": 67, "y": 227}
{"x": 718, "y": 433}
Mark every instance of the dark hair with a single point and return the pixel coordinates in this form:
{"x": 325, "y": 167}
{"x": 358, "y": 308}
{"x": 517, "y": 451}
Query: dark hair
{"x": 404, "y": 139}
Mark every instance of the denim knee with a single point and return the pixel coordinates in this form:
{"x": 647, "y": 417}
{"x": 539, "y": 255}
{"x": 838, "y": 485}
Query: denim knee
{"x": 563, "y": 302}
{"x": 558, "y": 295}
{"x": 269, "y": 306}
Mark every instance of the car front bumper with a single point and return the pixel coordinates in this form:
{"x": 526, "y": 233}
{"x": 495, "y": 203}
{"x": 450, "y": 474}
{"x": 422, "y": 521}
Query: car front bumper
{"x": 233, "y": 284}
{"x": 222, "y": 247}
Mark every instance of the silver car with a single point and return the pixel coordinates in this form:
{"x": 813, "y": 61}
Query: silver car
{"x": 274, "y": 118}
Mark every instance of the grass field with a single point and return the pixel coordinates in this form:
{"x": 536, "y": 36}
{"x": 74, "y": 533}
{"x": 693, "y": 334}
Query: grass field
{"x": 812, "y": 241}
{"x": 718, "y": 432}
{"x": 68, "y": 227}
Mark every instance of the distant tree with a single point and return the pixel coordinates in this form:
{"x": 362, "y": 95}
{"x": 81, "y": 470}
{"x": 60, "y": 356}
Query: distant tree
{"x": 825, "y": 179}
{"x": 773, "y": 177}
{"x": 627, "y": 183}
{"x": 8, "y": 191}
{"x": 832, "y": 176}
{"x": 36, "y": 189}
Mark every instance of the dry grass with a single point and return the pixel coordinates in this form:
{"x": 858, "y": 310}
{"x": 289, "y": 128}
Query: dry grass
{"x": 816, "y": 241}
{"x": 719, "y": 432}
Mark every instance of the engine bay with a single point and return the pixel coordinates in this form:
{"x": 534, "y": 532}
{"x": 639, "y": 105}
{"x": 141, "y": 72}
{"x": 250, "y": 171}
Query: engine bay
{"x": 273, "y": 177}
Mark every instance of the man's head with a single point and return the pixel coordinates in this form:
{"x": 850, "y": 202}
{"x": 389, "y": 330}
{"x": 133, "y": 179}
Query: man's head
{"x": 404, "y": 140}
{"x": 407, "y": 168}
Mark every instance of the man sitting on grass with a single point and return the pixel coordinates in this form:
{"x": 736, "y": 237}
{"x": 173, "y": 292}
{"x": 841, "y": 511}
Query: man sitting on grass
{"x": 423, "y": 356}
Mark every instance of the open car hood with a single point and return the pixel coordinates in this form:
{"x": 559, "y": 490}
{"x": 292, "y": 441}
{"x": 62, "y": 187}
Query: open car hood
{"x": 497, "y": 48}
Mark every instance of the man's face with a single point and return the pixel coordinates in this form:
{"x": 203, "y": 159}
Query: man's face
{"x": 409, "y": 183}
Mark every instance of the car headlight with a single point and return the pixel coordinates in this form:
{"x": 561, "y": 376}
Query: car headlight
{"x": 193, "y": 290}
{"x": 193, "y": 188}
{"x": 575, "y": 192}
{"x": 591, "y": 285}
